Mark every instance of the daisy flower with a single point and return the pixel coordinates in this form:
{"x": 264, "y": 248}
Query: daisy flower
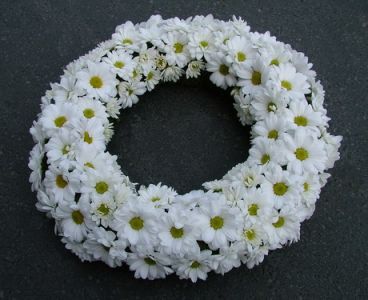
{"x": 292, "y": 84}
{"x": 257, "y": 206}
{"x": 92, "y": 109}
{"x": 200, "y": 43}
{"x": 194, "y": 267}
{"x": 227, "y": 259}
{"x": 78, "y": 249}
{"x": 275, "y": 54}
{"x": 272, "y": 127}
{"x": 91, "y": 133}
{"x": 159, "y": 195}
{"x": 178, "y": 235}
{"x": 61, "y": 184}
{"x": 222, "y": 73}
{"x": 240, "y": 50}
{"x": 56, "y": 116}
{"x": 146, "y": 58}
{"x": 219, "y": 223}
{"x": 265, "y": 152}
{"x": 102, "y": 211}
{"x": 172, "y": 73}
{"x": 252, "y": 77}
{"x": 45, "y": 203}
{"x": 129, "y": 92}
{"x": 121, "y": 63}
{"x": 194, "y": 69}
{"x": 148, "y": 267}
{"x": 152, "y": 78}
{"x": 281, "y": 187}
{"x": 249, "y": 176}
{"x": 176, "y": 49}
{"x": 126, "y": 36}
{"x": 304, "y": 153}
{"x": 269, "y": 102}
{"x": 254, "y": 235}
{"x": 284, "y": 227}
{"x": 73, "y": 219}
{"x": 136, "y": 221}
{"x": 35, "y": 164}
{"x": 97, "y": 80}
{"x": 66, "y": 90}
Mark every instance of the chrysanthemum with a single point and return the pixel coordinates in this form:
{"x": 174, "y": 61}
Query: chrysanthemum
{"x": 62, "y": 184}
{"x": 152, "y": 78}
{"x": 92, "y": 109}
{"x": 121, "y": 63}
{"x": 172, "y": 73}
{"x": 275, "y": 54}
{"x": 200, "y": 43}
{"x": 194, "y": 267}
{"x": 264, "y": 152}
{"x": 97, "y": 80}
{"x": 256, "y": 206}
{"x": 240, "y": 50}
{"x": 129, "y": 92}
{"x": 222, "y": 73}
{"x": 73, "y": 219}
{"x": 102, "y": 211}
{"x": 194, "y": 68}
{"x": 292, "y": 84}
{"x": 56, "y": 116}
{"x": 177, "y": 234}
{"x": 159, "y": 195}
{"x": 176, "y": 49}
{"x": 91, "y": 133}
{"x": 126, "y": 36}
{"x": 283, "y": 188}
{"x": 148, "y": 266}
{"x": 218, "y": 222}
{"x": 304, "y": 153}
{"x": 35, "y": 164}
{"x": 249, "y": 176}
{"x": 136, "y": 221}
{"x": 272, "y": 128}
{"x": 227, "y": 259}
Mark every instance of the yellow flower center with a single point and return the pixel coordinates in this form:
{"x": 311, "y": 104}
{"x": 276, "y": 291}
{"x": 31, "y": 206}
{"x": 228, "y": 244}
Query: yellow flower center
{"x": 103, "y": 209}
{"x": 61, "y": 182}
{"x": 301, "y": 121}
{"x": 178, "y": 47}
{"x": 89, "y": 165}
{"x": 195, "y": 265}
{"x": 273, "y": 134}
{"x": 253, "y": 209}
{"x": 60, "y": 121}
{"x": 87, "y": 138}
{"x": 89, "y": 113}
{"x": 280, "y": 188}
{"x": 241, "y": 56}
{"x": 77, "y": 217}
{"x": 127, "y": 41}
{"x": 136, "y": 223}
{"x": 224, "y": 69}
{"x": 286, "y": 85}
{"x": 204, "y": 44}
{"x": 96, "y": 82}
{"x": 217, "y": 222}
{"x": 306, "y": 186}
{"x": 265, "y": 159}
{"x": 275, "y": 62}
{"x": 119, "y": 64}
{"x": 250, "y": 234}
{"x": 155, "y": 199}
{"x": 176, "y": 233}
{"x": 271, "y": 107}
{"x": 301, "y": 154}
{"x": 101, "y": 187}
{"x": 256, "y": 78}
{"x": 149, "y": 261}
{"x": 279, "y": 223}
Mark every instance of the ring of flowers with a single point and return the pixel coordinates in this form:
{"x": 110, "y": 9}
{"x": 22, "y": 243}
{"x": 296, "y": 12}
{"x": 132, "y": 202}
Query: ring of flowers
{"x": 256, "y": 207}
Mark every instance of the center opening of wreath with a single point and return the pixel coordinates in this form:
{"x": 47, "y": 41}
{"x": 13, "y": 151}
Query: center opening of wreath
{"x": 180, "y": 134}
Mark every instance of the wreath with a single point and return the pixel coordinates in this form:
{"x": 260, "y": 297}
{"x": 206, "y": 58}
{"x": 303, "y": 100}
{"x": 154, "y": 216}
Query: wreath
{"x": 256, "y": 207}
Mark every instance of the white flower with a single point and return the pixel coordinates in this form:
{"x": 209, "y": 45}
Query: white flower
{"x": 45, "y": 203}
{"x": 273, "y": 128}
{"x": 74, "y": 219}
{"x": 285, "y": 77}
{"x": 97, "y": 80}
{"x": 194, "y": 68}
{"x": 304, "y": 153}
{"x": 284, "y": 227}
{"x": 178, "y": 235}
{"x": 176, "y": 49}
{"x": 91, "y": 133}
{"x": 61, "y": 184}
{"x": 92, "y": 109}
{"x": 136, "y": 221}
{"x": 275, "y": 54}
{"x": 66, "y": 90}
{"x": 147, "y": 58}
{"x": 35, "y": 164}
{"x": 160, "y": 196}
{"x": 249, "y": 176}
{"x": 253, "y": 77}
{"x": 113, "y": 107}
{"x": 129, "y": 92}
{"x": 102, "y": 211}
{"x": 127, "y": 37}
{"x": 121, "y": 63}
{"x": 240, "y": 50}
{"x": 257, "y": 206}
{"x": 254, "y": 234}
{"x": 56, "y": 116}
{"x": 219, "y": 223}
{"x": 152, "y": 78}
{"x": 172, "y": 73}
{"x": 283, "y": 188}
{"x": 148, "y": 267}
{"x": 227, "y": 259}
{"x": 78, "y": 249}
{"x": 222, "y": 73}
{"x": 200, "y": 43}
{"x": 194, "y": 267}
{"x": 264, "y": 152}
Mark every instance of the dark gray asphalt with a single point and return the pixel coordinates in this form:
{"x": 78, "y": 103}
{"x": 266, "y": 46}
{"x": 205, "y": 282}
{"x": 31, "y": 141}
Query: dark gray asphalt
{"x": 183, "y": 135}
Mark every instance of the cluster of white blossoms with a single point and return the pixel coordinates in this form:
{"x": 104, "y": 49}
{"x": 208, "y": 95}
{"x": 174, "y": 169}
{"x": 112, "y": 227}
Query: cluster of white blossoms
{"x": 256, "y": 207}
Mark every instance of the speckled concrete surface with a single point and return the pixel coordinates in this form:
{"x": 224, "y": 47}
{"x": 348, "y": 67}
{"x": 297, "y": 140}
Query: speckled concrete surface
{"x": 183, "y": 135}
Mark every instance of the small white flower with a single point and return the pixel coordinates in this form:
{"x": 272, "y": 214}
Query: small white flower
{"x": 240, "y": 51}
{"x": 152, "y": 78}
{"x": 222, "y": 73}
{"x": 127, "y": 37}
{"x": 129, "y": 92}
{"x": 265, "y": 152}
{"x": 159, "y": 195}
{"x": 97, "y": 80}
{"x": 273, "y": 128}
{"x": 176, "y": 49}
{"x": 102, "y": 211}
{"x": 194, "y": 68}
{"x": 200, "y": 43}
{"x": 35, "y": 164}
{"x": 219, "y": 223}
{"x": 121, "y": 63}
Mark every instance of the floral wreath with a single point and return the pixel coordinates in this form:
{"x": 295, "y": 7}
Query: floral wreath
{"x": 256, "y": 207}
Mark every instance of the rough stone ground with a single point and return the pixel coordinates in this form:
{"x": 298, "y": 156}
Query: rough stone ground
{"x": 183, "y": 135}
